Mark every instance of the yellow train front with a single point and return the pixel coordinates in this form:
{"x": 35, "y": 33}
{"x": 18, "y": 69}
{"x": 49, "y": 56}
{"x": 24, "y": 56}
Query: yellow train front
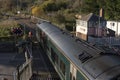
{"x": 75, "y": 59}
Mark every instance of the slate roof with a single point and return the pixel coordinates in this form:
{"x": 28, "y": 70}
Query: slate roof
{"x": 91, "y": 17}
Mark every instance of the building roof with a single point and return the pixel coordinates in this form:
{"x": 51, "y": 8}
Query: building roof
{"x": 9, "y": 61}
{"x": 91, "y": 17}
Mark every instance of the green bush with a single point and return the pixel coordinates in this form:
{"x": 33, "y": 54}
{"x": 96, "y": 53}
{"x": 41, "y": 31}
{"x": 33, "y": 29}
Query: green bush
{"x": 4, "y": 31}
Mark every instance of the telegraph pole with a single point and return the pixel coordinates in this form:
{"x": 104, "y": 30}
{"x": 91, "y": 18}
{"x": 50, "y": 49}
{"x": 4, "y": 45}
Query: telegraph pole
{"x": 18, "y": 10}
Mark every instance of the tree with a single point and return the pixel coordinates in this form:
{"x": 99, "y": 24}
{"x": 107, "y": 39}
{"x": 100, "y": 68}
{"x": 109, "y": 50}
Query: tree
{"x": 7, "y": 5}
{"x": 112, "y": 9}
{"x": 90, "y": 6}
{"x": 60, "y": 18}
{"x": 37, "y": 11}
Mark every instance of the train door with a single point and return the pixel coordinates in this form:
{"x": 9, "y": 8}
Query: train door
{"x": 73, "y": 72}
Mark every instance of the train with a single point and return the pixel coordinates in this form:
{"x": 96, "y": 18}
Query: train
{"x": 74, "y": 58}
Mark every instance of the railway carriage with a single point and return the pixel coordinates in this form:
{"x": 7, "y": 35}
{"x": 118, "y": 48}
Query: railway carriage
{"x": 75, "y": 59}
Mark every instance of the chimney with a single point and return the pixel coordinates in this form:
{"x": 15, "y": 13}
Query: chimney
{"x": 101, "y": 13}
{"x": 78, "y": 16}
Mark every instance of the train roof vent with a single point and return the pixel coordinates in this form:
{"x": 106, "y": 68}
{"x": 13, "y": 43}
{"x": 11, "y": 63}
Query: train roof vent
{"x": 84, "y": 56}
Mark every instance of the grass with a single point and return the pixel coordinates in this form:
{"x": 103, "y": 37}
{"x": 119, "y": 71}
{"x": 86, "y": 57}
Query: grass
{"x": 5, "y": 27}
{"x": 5, "y": 30}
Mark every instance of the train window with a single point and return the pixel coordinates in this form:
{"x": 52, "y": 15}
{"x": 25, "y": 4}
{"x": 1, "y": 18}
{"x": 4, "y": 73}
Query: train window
{"x": 84, "y": 56}
{"x": 56, "y": 59}
{"x": 53, "y": 55}
{"x": 62, "y": 67}
{"x": 47, "y": 47}
{"x": 43, "y": 34}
